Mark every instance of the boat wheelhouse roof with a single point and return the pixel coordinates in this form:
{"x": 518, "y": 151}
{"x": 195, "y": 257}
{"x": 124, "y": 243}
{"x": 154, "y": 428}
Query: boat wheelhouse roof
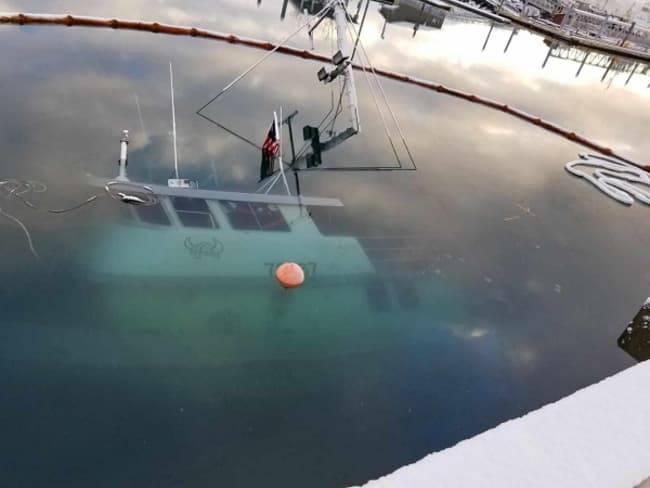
{"x": 166, "y": 191}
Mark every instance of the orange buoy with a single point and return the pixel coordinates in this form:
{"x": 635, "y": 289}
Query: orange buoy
{"x": 290, "y": 275}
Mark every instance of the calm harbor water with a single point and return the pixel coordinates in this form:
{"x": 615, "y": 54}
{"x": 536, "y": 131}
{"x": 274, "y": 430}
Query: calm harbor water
{"x": 439, "y": 302}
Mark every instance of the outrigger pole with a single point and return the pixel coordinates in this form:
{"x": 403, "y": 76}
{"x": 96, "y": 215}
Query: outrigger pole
{"x": 343, "y": 66}
{"x": 349, "y": 88}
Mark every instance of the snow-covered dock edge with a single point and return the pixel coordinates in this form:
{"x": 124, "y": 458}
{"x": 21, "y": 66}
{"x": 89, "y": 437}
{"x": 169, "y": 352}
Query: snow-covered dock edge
{"x": 596, "y": 437}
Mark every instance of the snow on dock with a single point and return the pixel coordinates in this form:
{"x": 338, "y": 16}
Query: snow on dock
{"x": 596, "y": 437}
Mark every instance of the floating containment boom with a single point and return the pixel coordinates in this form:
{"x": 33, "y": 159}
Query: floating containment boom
{"x": 155, "y": 27}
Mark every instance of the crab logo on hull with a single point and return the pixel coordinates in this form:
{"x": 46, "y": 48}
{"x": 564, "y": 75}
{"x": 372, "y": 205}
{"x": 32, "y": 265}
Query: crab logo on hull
{"x": 210, "y": 249}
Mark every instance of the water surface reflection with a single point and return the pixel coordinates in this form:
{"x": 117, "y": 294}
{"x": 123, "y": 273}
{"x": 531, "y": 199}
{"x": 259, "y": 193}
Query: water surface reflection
{"x": 431, "y": 312}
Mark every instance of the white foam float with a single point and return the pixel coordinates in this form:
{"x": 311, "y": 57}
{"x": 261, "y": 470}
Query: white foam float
{"x": 619, "y": 180}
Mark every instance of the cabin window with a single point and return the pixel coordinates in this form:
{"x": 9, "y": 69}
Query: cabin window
{"x": 152, "y": 214}
{"x": 240, "y": 215}
{"x": 254, "y": 216}
{"x": 269, "y": 217}
{"x": 194, "y": 212}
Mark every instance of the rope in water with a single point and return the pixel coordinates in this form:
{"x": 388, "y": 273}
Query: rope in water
{"x": 21, "y": 189}
{"x": 25, "y": 230}
{"x": 169, "y": 29}
{"x": 17, "y": 189}
{"x": 122, "y": 191}
{"x": 616, "y": 179}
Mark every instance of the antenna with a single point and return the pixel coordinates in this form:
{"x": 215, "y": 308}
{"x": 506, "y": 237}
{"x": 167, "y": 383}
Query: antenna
{"x": 171, "y": 85}
{"x": 176, "y": 182}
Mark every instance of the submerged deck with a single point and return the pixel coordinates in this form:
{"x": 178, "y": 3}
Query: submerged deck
{"x": 596, "y": 437}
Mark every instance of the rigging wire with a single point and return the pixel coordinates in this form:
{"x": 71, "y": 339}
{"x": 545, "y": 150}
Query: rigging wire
{"x": 339, "y": 106}
{"x": 390, "y": 109}
{"x": 242, "y": 75}
{"x": 383, "y": 120}
{"x": 381, "y": 115}
{"x": 230, "y": 131}
{"x": 363, "y": 21}
{"x": 356, "y": 37}
{"x": 366, "y": 68}
{"x": 378, "y": 81}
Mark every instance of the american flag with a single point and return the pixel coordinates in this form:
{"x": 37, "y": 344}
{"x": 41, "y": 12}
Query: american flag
{"x": 271, "y": 144}
{"x": 270, "y": 151}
